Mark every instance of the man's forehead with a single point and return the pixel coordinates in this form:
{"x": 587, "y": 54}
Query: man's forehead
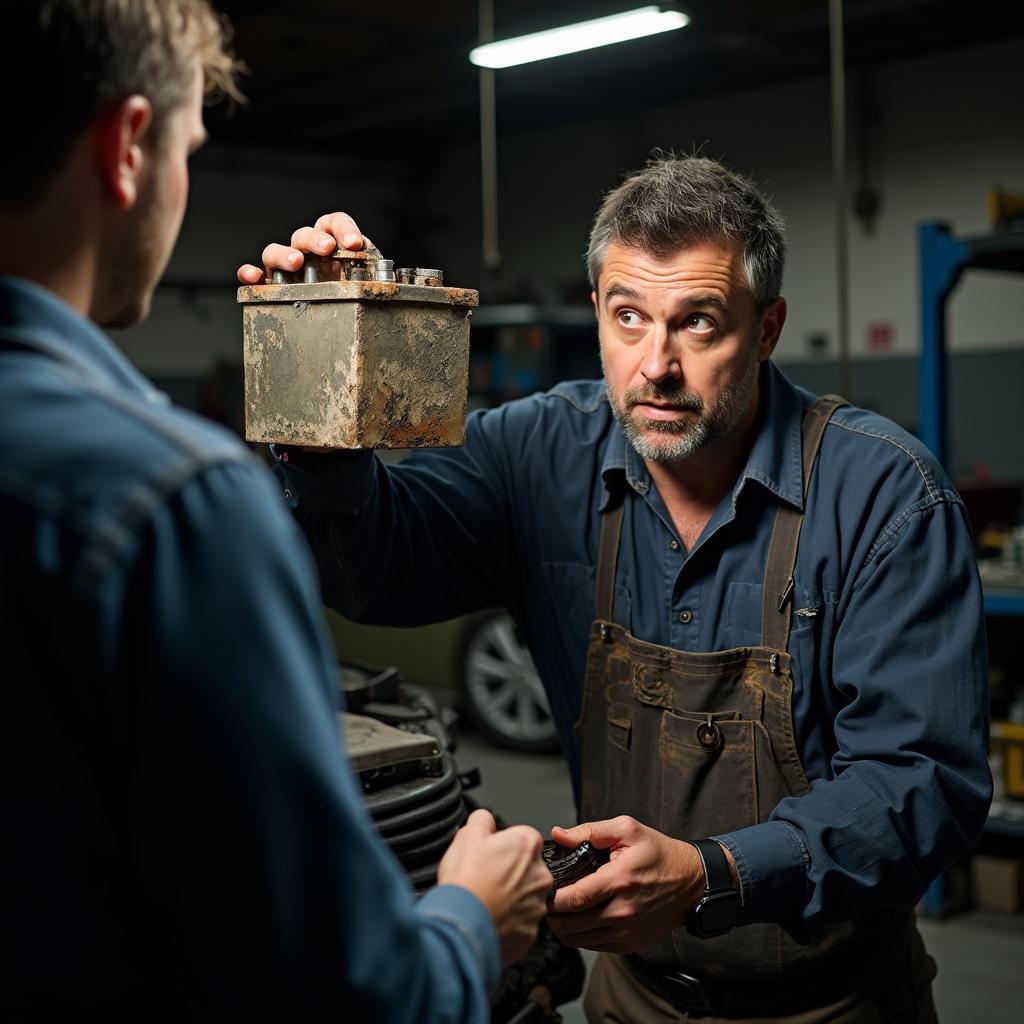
{"x": 712, "y": 264}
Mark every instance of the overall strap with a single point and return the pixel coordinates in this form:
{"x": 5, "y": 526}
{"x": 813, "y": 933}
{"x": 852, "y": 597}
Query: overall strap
{"x": 777, "y": 603}
{"x": 608, "y": 557}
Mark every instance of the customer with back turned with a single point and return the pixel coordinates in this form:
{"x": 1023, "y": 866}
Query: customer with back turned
{"x": 180, "y": 835}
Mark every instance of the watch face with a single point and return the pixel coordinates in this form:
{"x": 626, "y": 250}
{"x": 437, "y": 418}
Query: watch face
{"x": 716, "y": 913}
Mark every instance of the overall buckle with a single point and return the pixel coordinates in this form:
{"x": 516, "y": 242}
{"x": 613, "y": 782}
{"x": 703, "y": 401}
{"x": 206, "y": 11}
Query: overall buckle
{"x": 686, "y": 992}
{"x": 682, "y": 990}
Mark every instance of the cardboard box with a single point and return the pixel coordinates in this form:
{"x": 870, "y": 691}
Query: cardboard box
{"x": 998, "y": 883}
{"x": 1008, "y": 738}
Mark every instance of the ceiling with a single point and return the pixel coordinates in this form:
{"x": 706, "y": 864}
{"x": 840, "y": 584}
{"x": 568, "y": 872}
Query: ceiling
{"x": 333, "y": 77}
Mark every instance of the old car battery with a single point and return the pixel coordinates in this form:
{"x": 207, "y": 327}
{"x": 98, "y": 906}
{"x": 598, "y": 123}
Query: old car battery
{"x": 349, "y": 353}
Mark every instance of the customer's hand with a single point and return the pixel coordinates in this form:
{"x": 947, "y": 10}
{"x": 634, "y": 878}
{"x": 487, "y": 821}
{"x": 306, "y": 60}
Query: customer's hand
{"x": 644, "y": 891}
{"x": 505, "y": 872}
{"x": 331, "y": 231}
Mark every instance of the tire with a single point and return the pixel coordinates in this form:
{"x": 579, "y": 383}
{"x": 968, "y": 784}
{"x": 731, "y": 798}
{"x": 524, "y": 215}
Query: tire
{"x": 502, "y": 694}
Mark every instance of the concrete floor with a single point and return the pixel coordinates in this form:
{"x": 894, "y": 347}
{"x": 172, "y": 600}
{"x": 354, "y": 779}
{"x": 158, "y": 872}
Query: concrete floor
{"x": 980, "y": 955}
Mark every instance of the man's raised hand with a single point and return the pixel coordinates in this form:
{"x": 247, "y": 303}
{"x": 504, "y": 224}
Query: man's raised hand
{"x": 331, "y": 231}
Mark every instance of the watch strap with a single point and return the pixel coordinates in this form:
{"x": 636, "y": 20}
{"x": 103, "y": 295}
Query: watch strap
{"x": 717, "y": 875}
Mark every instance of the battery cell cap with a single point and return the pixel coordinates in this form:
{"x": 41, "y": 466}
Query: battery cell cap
{"x": 384, "y": 270}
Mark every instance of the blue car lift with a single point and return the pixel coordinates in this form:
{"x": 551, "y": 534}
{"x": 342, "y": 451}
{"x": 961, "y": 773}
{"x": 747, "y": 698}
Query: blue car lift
{"x": 942, "y": 260}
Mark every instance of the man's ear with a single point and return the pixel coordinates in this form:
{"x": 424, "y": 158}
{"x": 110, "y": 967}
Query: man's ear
{"x": 772, "y": 321}
{"x": 593, "y": 302}
{"x": 120, "y": 131}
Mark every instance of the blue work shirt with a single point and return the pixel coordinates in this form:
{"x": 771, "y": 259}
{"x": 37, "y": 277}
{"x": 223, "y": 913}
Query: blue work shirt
{"x": 181, "y": 837}
{"x": 890, "y": 699}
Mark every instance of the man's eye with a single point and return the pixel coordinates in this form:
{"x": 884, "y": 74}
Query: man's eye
{"x": 701, "y": 323}
{"x": 628, "y": 318}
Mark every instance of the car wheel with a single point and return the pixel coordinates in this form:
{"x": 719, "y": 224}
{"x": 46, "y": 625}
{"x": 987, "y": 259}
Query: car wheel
{"x": 501, "y": 689}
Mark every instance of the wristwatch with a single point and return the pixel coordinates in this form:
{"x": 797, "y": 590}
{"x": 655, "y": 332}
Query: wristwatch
{"x": 716, "y": 911}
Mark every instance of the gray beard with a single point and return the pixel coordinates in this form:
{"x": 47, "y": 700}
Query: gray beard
{"x": 684, "y": 438}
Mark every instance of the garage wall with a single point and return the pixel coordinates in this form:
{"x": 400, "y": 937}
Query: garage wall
{"x": 948, "y": 128}
{"x": 238, "y": 202}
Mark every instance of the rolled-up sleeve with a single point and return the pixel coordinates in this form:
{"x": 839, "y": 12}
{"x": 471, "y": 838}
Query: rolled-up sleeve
{"x": 255, "y": 855}
{"x": 910, "y": 785}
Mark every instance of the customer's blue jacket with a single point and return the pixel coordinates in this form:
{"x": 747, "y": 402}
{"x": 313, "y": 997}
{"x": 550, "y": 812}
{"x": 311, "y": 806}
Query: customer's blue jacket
{"x": 890, "y": 695}
{"x": 180, "y": 835}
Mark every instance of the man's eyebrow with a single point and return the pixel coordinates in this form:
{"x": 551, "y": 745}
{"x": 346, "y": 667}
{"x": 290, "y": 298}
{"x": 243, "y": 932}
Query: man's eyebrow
{"x": 709, "y": 301}
{"x": 712, "y": 301}
{"x": 622, "y": 290}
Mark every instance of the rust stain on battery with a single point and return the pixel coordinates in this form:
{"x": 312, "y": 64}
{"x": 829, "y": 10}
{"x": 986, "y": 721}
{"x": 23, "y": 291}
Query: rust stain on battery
{"x": 356, "y": 364}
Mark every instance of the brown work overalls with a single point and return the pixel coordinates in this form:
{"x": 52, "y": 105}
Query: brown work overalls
{"x": 698, "y": 745}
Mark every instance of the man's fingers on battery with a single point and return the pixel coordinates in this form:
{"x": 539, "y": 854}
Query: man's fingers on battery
{"x": 313, "y": 240}
{"x": 343, "y": 228}
{"x": 281, "y": 257}
{"x": 248, "y": 274}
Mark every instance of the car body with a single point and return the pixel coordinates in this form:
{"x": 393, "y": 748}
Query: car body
{"x": 477, "y": 663}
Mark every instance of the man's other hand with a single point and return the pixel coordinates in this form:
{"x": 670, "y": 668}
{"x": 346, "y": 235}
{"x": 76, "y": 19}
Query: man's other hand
{"x": 331, "y": 231}
{"x": 644, "y": 891}
{"x": 505, "y": 872}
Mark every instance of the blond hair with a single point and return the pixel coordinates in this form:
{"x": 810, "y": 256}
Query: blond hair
{"x": 66, "y": 60}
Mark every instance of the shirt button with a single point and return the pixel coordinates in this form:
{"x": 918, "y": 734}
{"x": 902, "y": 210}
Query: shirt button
{"x": 674, "y": 544}
{"x": 685, "y": 616}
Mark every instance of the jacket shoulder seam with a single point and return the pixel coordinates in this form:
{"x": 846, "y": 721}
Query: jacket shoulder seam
{"x": 892, "y": 528}
{"x": 922, "y": 468}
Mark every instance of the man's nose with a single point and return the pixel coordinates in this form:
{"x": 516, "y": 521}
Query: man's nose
{"x": 660, "y": 361}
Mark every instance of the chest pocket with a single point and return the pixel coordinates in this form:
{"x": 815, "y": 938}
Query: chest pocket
{"x": 743, "y": 616}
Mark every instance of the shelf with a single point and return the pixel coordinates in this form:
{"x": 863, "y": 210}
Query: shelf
{"x": 997, "y": 825}
{"x": 999, "y": 601}
{"x": 1003, "y": 587}
{"x": 526, "y": 314}
{"x": 1001, "y": 251}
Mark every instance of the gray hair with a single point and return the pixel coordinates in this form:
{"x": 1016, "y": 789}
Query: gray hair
{"x": 679, "y": 201}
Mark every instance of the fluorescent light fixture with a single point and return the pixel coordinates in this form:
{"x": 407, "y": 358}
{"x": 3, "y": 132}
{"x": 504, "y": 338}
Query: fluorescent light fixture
{"x": 584, "y": 35}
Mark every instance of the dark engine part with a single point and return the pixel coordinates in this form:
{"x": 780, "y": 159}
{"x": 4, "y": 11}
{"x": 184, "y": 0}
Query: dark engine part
{"x": 570, "y": 865}
{"x": 400, "y": 742}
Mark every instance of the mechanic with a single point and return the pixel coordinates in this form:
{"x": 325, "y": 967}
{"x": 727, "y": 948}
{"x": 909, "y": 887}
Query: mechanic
{"x": 181, "y": 836}
{"x": 756, "y": 613}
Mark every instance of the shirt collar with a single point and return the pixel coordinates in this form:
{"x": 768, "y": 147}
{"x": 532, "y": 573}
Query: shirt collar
{"x": 33, "y": 316}
{"x": 621, "y": 465}
{"x": 774, "y": 460}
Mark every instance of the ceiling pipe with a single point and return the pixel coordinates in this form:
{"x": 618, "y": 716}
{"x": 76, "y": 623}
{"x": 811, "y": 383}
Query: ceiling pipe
{"x": 488, "y": 145}
{"x": 839, "y": 190}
